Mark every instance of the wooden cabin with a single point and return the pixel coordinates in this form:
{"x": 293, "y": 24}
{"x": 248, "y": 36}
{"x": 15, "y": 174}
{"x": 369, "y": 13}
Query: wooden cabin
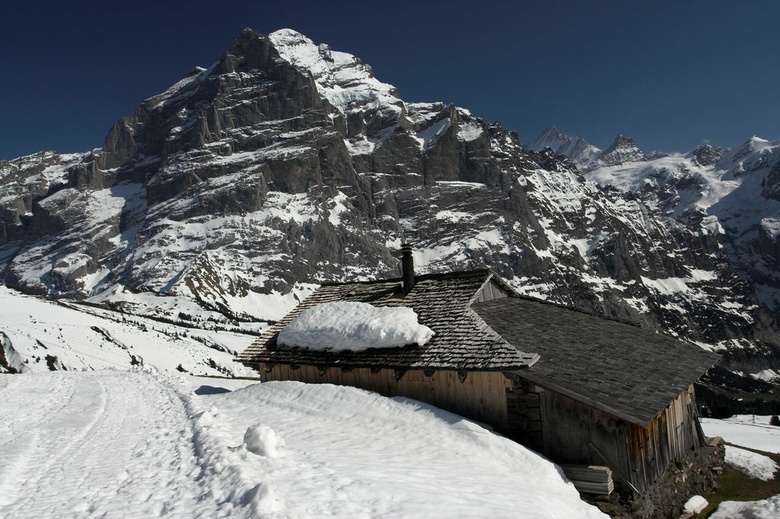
{"x": 604, "y": 392}
{"x": 461, "y": 369}
{"x": 576, "y": 387}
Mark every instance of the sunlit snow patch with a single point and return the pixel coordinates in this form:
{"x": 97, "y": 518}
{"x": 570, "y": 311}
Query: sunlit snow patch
{"x": 352, "y": 326}
{"x": 764, "y": 509}
{"x": 751, "y": 463}
{"x": 695, "y": 505}
{"x": 469, "y": 131}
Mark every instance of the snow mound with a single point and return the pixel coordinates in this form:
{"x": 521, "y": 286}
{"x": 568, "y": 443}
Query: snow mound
{"x": 353, "y": 453}
{"x": 263, "y": 441}
{"x": 753, "y": 464}
{"x": 764, "y": 509}
{"x": 348, "y": 453}
{"x": 351, "y": 326}
{"x": 695, "y": 505}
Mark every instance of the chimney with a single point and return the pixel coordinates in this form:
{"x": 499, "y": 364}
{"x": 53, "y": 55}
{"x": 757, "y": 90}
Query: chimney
{"x": 407, "y": 267}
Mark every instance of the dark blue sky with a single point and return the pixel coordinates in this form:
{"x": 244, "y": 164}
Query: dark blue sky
{"x": 672, "y": 74}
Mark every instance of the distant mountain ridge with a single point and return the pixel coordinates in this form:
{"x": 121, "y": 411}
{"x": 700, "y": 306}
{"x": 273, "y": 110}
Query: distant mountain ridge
{"x": 576, "y": 148}
{"x": 286, "y": 164}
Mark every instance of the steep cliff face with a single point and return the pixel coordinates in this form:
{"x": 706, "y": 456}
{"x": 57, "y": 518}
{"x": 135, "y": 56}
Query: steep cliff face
{"x": 286, "y": 164}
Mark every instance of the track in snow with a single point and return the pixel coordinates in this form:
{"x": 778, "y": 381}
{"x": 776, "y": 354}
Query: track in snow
{"x": 111, "y": 444}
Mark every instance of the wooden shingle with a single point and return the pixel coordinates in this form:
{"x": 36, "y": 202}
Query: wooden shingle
{"x": 462, "y": 340}
{"x": 627, "y": 371}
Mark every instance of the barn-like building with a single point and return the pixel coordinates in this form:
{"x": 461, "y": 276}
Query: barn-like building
{"x": 576, "y": 387}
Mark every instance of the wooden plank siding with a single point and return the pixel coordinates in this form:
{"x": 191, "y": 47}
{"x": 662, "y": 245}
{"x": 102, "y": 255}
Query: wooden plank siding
{"x": 480, "y": 397}
{"x": 670, "y": 437}
{"x": 576, "y": 433}
{"x": 579, "y": 434}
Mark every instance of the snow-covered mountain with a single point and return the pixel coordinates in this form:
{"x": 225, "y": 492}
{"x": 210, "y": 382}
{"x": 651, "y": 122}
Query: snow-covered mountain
{"x": 623, "y": 149}
{"x": 731, "y": 194}
{"x": 580, "y": 151}
{"x": 286, "y": 164}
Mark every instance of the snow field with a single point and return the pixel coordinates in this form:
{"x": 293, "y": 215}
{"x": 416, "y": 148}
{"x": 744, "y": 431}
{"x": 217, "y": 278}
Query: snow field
{"x": 764, "y": 509}
{"x": 107, "y": 444}
{"x": 753, "y": 432}
{"x": 149, "y": 444}
{"x": 352, "y": 453}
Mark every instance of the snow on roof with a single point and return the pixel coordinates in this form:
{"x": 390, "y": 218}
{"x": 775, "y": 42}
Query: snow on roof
{"x": 354, "y": 326}
{"x": 441, "y": 301}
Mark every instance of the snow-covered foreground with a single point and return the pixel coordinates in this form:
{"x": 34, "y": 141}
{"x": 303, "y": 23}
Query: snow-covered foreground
{"x": 753, "y": 432}
{"x": 150, "y": 444}
{"x": 94, "y": 444}
{"x": 764, "y": 509}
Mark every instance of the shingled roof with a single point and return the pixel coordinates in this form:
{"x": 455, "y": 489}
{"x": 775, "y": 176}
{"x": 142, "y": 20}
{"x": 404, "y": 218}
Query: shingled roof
{"x": 627, "y": 371}
{"x": 462, "y": 340}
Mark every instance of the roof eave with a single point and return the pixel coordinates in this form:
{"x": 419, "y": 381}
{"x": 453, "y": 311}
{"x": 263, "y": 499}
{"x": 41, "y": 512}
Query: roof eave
{"x": 532, "y": 377}
{"x": 521, "y": 365}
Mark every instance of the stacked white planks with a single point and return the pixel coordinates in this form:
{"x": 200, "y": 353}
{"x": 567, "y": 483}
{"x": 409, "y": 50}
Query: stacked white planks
{"x": 590, "y": 479}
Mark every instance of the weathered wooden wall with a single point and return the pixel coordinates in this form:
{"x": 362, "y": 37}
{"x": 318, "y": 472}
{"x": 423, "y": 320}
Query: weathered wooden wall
{"x": 671, "y": 436}
{"x": 481, "y": 396}
{"x": 573, "y": 432}
{"x": 524, "y": 418}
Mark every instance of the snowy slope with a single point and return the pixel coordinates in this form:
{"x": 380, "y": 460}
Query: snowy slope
{"x": 730, "y": 195}
{"x": 268, "y": 450}
{"x": 751, "y": 463}
{"x": 42, "y": 335}
{"x": 749, "y": 431}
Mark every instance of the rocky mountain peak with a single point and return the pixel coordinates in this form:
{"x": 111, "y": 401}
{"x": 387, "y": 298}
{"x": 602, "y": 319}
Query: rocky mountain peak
{"x": 707, "y": 154}
{"x": 347, "y": 83}
{"x": 551, "y": 138}
{"x": 577, "y": 149}
{"x": 250, "y": 51}
{"x": 623, "y": 149}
